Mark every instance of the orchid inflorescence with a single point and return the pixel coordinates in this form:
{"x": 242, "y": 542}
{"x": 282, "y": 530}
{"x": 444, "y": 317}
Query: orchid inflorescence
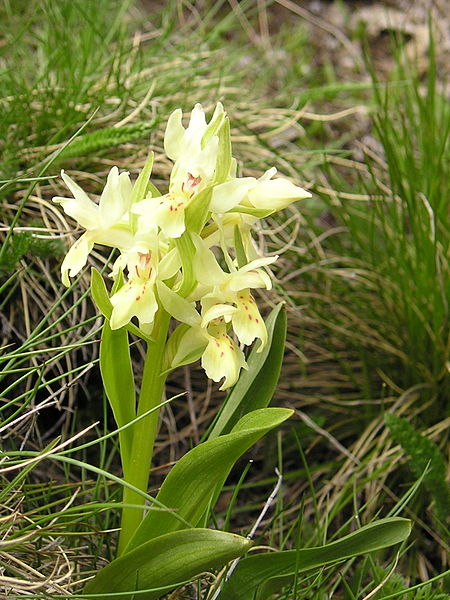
{"x": 188, "y": 252}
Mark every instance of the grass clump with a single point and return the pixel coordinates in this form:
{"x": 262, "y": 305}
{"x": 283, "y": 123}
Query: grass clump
{"x": 50, "y": 85}
{"x": 384, "y": 263}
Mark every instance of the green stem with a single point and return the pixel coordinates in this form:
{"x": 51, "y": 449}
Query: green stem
{"x": 144, "y": 432}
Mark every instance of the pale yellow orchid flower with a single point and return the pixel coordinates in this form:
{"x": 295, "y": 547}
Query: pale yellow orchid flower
{"x": 265, "y": 193}
{"x": 145, "y": 265}
{"x": 136, "y": 298}
{"x": 195, "y": 154}
{"x": 221, "y": 358}
{"x": 234, "y": 287}
{"x": 105, "y": 223}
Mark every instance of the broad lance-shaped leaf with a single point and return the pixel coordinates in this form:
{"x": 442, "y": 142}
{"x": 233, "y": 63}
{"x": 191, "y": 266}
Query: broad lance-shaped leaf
{"x": 259, "y": 576}
{"x": 193, "y": 481}
{"x": 256, "y": 386}
{"x": 166, "y": 562}
{"x": 118, "y": 381}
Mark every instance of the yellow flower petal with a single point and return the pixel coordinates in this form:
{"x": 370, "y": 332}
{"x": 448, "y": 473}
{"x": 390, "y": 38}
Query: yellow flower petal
{"x": 134, "y": 299}
{"x": 247, "y": 321}
{"x": 76, "y": 258}
{"x": 222, "y": 359}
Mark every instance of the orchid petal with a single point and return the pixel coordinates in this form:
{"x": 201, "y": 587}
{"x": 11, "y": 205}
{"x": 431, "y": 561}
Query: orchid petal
{"x": 165, "y": 212}
{"x": 80, "y": 207}
{"x": 231, "y": 193}
{"x": 206, "y": 268}
{"x": 268, "y": 174}
{"x": 206, "y": 161}
{"x": 112, "y": 205}
{"x": 247, "y": 321}
{"x": 170, "y": 217}
{"x": 134, "y": 299}
{"x": 118, "y": 236}
{"x": 250, "y": 279}
{"x": 197, "y": 123}
{"x": 147, "y": 205}
{"x": 76, "y": 258}
{"x": 216, "y": 312}
{"x": 223, "y": 359}
{"x": 174, "y": 134}
{"x": 259, "y": 262}
{"x": 275, "y": 194}
{"x": 126, "y": 189}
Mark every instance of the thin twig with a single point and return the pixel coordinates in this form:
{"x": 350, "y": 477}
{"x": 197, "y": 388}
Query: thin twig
{"x": 251, "y": 535}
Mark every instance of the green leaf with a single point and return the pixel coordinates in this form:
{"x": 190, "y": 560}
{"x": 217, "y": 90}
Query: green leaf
{"x": 259, "y": 576}
{"x": 152, "y": 190}
{"x": 140, "y": 188}
{"x": 141, "y": 184}
{"x": 240, "y": 250}
{"x": 196, "y": 213}
{"x": 259, "y": 213}
{"x": 186, "y": 249}
{"x": 256, "y": 386}
{"x": 224, "y": 155}
{"x": 100, "y": 294}
{"x": 195, "y": 479}
{"x": 108, "y": 137}
{"x": 166, "y": 561}
{"x": 118, "y": 381}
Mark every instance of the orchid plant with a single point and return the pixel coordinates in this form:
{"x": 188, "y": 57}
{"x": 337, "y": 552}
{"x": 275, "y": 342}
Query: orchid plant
{"x": 186, "y": 256}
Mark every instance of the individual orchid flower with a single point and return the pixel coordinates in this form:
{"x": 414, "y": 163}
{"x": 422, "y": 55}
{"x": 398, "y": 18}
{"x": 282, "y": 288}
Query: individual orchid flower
{"x": 194, "y": 151}
{"x": 191, "y": 149}
{"x": 250, "y": 194}
{"x": 136, "y": 298}
{"x": 105, "y": 223}
{"x": 206, "y": 337}
{"x": 222, "y": 358}
{"x": 234, "y": 287}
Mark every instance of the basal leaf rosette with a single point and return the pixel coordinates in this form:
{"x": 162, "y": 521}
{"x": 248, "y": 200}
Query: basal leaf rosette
{"x": 188, "y": 252}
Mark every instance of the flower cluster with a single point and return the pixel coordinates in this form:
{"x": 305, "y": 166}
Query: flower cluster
{"x": 188, "y": 252}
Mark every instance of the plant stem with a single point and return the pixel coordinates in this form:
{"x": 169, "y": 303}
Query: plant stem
{"x": 144, "y": 432}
